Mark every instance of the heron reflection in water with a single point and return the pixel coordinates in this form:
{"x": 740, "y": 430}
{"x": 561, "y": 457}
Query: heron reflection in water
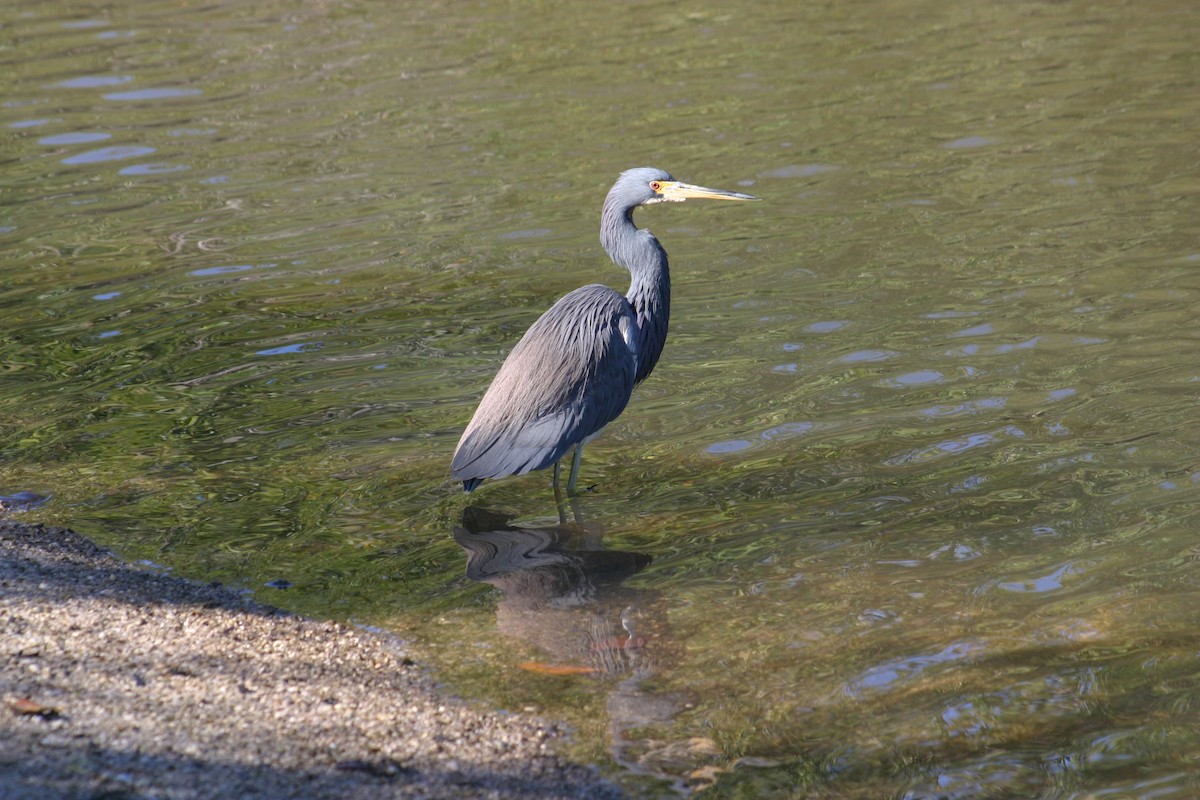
{"x": 563, "y": 593}
{"x": 574, "y": 370}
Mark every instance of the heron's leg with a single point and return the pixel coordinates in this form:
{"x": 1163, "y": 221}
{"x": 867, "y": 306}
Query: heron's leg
{"x": 558, "y": 496}
{"x": 576, "y": 511}
{"x": 574, "y": 469}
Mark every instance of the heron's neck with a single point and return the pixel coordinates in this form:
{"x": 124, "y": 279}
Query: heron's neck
{"x": 650, "y": 295}
{"x": 649, "y": 288}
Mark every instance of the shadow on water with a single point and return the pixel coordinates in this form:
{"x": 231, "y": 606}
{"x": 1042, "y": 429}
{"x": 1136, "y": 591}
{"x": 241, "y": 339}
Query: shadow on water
{"x": 563, "y": 593}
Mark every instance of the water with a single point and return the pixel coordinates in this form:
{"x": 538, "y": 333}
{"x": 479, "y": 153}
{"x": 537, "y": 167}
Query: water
{"x": 908, "y": 507}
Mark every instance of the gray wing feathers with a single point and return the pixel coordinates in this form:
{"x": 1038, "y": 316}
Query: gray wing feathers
{"x": 568, "y": 377}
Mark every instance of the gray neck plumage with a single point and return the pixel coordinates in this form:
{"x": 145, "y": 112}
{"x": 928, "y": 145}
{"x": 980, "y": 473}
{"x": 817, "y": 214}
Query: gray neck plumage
{"x": 650, "y": 285}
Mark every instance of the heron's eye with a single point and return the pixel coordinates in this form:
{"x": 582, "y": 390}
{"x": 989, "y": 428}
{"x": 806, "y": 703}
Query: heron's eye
{"x": 656, "y": 185}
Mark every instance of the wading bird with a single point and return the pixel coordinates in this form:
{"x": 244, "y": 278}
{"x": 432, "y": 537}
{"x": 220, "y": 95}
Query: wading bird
{"x": 573, "y": 371}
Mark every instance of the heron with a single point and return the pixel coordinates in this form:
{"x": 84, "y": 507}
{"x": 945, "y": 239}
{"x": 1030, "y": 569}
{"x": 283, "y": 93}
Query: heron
{"x": 573, "y": 371}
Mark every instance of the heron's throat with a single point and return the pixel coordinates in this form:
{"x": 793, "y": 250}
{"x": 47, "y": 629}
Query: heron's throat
{"x": 650, "y": 296}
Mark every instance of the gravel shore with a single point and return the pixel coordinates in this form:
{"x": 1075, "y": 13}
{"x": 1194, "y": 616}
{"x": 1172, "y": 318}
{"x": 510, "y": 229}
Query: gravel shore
{"x": 119, "y": 683}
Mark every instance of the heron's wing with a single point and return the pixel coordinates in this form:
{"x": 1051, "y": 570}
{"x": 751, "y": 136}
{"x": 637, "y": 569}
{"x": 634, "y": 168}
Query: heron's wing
{"x": 568, "y": 377}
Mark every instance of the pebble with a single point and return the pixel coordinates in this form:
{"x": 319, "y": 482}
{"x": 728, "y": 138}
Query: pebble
{"x": 171, "y": 688}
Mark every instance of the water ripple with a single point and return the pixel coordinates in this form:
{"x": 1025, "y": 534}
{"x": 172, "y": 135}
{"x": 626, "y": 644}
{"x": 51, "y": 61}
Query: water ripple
{"x": 94, "y": 81}
{"x": 868, "y": 356}
{"x": 896, "y": 670}
{"x": 969, "y": 142}
{"x": 154, "y": 169}
{"x": 953, "y": 446}
{"x": 827, "y": 326}
{"x": 1051, "y": 582}
{"x": 297, "y": 347}
{"x": 116, "y": 153}
{"x": 920, "y": 377}
{"x": 74, "y": 138}
{"x": 799, "y": 171}
{"x": 222, "y": 270}
{"x": 153, "y": 94}
{"x": 730, "y": 446}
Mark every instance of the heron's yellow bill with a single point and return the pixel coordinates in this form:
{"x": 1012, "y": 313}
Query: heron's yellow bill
{"x": 678, "y": 191}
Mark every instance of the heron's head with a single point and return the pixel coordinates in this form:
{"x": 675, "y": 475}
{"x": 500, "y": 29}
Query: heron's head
{"x": 646, "y": 185}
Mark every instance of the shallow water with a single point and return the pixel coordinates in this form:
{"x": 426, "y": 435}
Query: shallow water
{"x": 908, "y": 507}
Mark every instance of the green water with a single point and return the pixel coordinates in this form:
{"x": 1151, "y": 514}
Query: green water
{"x": 908, "y": 507}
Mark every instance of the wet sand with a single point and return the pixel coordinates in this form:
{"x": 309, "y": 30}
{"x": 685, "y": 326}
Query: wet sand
{"x": 117, "y": 682}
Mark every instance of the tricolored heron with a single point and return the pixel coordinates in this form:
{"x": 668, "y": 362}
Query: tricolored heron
{"x": 573, "y": 371}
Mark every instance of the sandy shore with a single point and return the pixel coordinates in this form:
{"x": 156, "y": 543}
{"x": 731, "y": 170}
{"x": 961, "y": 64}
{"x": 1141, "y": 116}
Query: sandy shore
{"x": 120, "y": 683}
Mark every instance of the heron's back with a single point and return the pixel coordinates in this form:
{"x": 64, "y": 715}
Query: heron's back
{"x": 569, "y": 376}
